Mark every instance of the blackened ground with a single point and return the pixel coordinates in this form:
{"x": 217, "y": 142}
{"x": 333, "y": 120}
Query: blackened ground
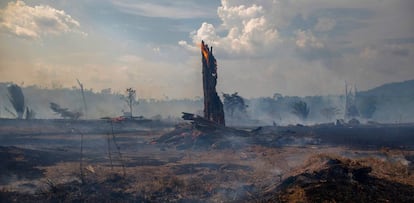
{"x": 340, "y": 181}
{"x": 150, "y": 163}
{"x": 20, "y": 163}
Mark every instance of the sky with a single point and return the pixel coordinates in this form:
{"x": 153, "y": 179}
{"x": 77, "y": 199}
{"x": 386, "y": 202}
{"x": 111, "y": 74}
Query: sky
{"x": 262, "y": 47}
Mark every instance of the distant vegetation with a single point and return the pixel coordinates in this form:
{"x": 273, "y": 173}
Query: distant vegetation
{"x": 300, "y": 109}
{"x": 389, "y": 103}
{"x": 16, "y": 98}
{"x": 130, "y": 99}
{"x": 234, "y": 105}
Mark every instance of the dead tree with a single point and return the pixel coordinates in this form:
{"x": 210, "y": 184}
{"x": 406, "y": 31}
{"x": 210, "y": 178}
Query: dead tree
{"x": 16, "y": 98}
{"x": 213, "y": 107}
{"x": 83, "y": 98}
{"x": 351, "y": 110}
{"x": 130, "y": 99}
{"x": 30, "y": 113}
{"x": 64, "y": 112}
{"x": 300, "y": 109}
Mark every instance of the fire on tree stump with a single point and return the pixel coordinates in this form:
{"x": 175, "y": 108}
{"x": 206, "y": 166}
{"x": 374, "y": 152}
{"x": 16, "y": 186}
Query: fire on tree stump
{"x": 213, "y": 107}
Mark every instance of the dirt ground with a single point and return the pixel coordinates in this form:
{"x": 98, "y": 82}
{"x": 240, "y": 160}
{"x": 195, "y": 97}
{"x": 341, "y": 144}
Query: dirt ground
{"x": 40, "y": 165}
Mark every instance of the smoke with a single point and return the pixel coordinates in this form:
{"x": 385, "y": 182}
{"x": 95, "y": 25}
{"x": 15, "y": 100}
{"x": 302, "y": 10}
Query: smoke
{"x": 259, "y": 111}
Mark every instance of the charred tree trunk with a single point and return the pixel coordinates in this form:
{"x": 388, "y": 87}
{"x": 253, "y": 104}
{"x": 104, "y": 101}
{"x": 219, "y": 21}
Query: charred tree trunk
{"x": 213, "y": 107}
{"x": 83, "y": 99}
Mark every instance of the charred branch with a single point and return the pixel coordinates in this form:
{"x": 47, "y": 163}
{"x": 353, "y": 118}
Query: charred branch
{"x": 64, "y": 112}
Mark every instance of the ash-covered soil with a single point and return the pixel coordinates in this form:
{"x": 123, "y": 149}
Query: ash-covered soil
{"x": 163, "y": 164}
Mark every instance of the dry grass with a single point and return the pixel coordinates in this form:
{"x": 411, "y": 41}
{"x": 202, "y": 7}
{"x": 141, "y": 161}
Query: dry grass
{"x": 215, "y": 175}
{"x": 318, "y": 180}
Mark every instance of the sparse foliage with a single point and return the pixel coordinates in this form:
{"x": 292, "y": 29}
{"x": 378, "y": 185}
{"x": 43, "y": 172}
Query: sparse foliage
{"x": 130, "y": 99}
{"x": 16, "y": 98}
{"x": 234, "y": 103}
{"x": 300, "y": 109}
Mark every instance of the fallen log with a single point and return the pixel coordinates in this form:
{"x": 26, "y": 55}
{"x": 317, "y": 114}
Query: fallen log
{"x": 207, "y": 126}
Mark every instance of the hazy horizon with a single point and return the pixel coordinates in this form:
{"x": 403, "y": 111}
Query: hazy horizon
{"x": 76, "y": 87}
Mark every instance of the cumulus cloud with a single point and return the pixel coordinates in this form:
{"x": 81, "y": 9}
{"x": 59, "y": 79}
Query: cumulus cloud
{"x": 247, "y": 29}
{"x": 296, "y": 47}
{"x": 306, "y": 39}
{"x": 28, "y": 22}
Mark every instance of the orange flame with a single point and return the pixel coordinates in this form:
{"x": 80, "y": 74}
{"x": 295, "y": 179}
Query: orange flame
{"x": 204, "y": 50}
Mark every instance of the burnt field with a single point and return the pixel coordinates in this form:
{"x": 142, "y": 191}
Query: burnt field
{"x": 151, "y": 161}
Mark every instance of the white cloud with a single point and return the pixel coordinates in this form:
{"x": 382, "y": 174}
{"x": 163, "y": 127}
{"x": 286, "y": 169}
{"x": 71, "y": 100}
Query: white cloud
{"x": 306, "y": 39}
{"x": 29, "y": 22}
{"x": 248, "y": 30}
{"x": 237, "y": 14}
{"x": 262, "y": 47}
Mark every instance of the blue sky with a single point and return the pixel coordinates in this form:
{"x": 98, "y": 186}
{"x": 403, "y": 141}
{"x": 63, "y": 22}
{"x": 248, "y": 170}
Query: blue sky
{"x": 298, "y": 47}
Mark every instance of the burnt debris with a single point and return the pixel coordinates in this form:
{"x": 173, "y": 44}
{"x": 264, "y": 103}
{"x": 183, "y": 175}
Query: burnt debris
{"x": 64, "y": 112}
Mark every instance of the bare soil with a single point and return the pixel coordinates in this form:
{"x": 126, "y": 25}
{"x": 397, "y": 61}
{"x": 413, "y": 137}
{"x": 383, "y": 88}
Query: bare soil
{"x": 73, "y": 162}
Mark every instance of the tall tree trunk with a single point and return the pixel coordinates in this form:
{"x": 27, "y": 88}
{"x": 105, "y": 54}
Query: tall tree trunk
{"x": 213, "y": 107}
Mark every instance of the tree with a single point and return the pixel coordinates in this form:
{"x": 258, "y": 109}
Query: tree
{"x": 85, "y": 107}
{"x": 213, "y": 107}
{"x": 234, "y": 103}
{"x": 367, "y": 106}
{"x": 277, "y": 96}
{"x": 329, "y": 112}
{"x": 30, "y": 113}
{"x": 16, "y": 98}
{"x": 130, "y": 99}
{"x": 300, "y": 109}
{"x": 351, "y": 110}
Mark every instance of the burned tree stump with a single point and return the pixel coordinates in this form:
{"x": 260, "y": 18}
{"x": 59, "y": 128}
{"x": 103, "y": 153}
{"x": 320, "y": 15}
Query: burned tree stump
{"x": 213, "y": 107}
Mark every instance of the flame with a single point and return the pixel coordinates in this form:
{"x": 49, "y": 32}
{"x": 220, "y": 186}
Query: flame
{"x": 204, "y": 51}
